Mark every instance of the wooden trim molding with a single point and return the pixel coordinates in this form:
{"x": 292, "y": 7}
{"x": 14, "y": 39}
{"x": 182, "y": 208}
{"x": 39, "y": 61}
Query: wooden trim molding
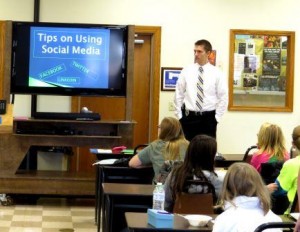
{"x": 5, "y": 58}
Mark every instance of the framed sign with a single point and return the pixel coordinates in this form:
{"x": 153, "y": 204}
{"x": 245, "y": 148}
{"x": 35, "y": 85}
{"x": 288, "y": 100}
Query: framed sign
{"x": 169, "y": 77}
{"x": 212, "y": 57}
{"x": 261, "y": 71}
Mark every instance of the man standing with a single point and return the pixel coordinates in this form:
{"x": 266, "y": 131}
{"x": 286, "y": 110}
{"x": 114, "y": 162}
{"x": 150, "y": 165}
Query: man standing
{"x": 201, "y": 95}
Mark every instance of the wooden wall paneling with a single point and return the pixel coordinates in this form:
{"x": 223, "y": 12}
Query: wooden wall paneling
{"x": 130, "y": 71}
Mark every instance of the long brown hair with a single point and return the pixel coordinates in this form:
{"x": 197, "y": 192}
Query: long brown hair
{"x": 200, "y": 156}
{"x": 242, "y": 179}
{"x": 296, "y": 137}
{"x": 296, "y": 141}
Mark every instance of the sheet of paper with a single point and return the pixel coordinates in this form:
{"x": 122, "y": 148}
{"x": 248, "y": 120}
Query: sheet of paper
{"x": 105, "y": 162}
{"x": 295, "y": 215}
{"x": 104, "y": 151}
{"x": 100, "y": 151}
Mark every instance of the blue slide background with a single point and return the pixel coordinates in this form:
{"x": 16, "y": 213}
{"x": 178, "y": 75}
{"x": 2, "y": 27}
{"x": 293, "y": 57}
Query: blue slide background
{"x": 85, "y": 67}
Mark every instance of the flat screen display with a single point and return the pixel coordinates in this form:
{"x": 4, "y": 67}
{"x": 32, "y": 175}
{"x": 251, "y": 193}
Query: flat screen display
{"x": 69, "y": 59}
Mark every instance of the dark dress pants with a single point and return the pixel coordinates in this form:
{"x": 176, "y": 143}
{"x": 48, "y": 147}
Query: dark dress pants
{"x": 193, "y": 125}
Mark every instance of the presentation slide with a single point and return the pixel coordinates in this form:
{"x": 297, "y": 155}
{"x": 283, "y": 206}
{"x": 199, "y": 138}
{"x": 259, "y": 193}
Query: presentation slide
{"x": 69, "y": 57}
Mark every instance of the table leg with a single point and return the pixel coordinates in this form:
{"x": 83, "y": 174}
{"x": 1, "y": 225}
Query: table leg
{"x": 105, "y": 212}
{"x": 100, "y": 202}
{"x": 96, "y": 193}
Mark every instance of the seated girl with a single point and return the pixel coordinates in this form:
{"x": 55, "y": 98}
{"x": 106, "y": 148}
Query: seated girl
{"x": 197, "y": 165}
{"x": 246, "y": 201}
{"x": 271, "y": 146}
{"x": 287, "y": 179}
{"x": 170, "y": 145}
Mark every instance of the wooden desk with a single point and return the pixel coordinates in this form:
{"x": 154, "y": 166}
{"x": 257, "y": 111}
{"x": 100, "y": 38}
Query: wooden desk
{"x": 16, "y": 141}
{"x": 119, "y": 198}
{"x": 138, "y": 222}
{"x": 115, "y": 174}
{"x": 233, "y": 157}
{"x": 98, "y": 180}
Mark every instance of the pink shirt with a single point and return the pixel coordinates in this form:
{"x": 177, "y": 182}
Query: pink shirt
{"x": 257, "y": 159}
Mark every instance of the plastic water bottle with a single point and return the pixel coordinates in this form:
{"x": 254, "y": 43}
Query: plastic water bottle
{"x": 159, "y": 197}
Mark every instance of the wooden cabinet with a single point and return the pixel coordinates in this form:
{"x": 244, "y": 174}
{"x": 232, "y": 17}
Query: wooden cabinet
{"x": 15, "y": 142}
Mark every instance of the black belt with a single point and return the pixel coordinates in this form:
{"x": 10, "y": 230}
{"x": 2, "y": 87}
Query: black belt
{"x": 199, "y": 113}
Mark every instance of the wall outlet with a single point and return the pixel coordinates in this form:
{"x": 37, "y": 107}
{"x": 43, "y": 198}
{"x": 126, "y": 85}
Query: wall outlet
{"x": 171, "y": 106}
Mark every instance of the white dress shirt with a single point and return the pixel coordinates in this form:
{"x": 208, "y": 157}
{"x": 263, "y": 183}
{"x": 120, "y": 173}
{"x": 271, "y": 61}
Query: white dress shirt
{"x": 215, "y": 90}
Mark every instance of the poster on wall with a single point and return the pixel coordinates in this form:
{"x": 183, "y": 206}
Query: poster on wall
{"x": 212, "y": 57}
{"x": 259, "y": 63}
{"x": 169, "y": 77}
{"x": 261, "y": 70}
{"x": 271, "y": 61}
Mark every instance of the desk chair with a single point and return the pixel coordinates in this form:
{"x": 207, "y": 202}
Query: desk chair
{"x": 138, "y": 148}
{"x": 270, "y": 225}
{"x": 199, "y": 203}
{"x": 196, "y": 203}
{"x": 269, "y": 173}
{"x": 248, "y": 155}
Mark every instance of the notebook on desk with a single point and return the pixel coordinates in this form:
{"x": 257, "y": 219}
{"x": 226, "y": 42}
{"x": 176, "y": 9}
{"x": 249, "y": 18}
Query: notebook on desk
{"x": 100, "y": 151}
{"x": 109, "y": 151}
{"x": 128, "y": 151}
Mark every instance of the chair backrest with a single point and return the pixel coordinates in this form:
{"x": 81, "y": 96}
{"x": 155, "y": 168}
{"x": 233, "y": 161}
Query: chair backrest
{"x": 270, "y": 171}
{"x": 208, "y": 187}
{"x": 270, "y": 225}
{"x": 112, "y": 174}
{"x": 247, "y": 155}
{"x": 196, "y": 203}
{"x": 138, "y": 148}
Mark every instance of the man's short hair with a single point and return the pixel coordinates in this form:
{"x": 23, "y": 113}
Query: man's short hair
{"x": 205, "y": 43}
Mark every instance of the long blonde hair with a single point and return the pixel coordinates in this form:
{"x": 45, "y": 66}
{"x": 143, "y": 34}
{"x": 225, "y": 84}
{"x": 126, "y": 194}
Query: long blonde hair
{"x": 171, "y": 132}
{"x": 271, "y": 140}
{"x": 242, "y": 179}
